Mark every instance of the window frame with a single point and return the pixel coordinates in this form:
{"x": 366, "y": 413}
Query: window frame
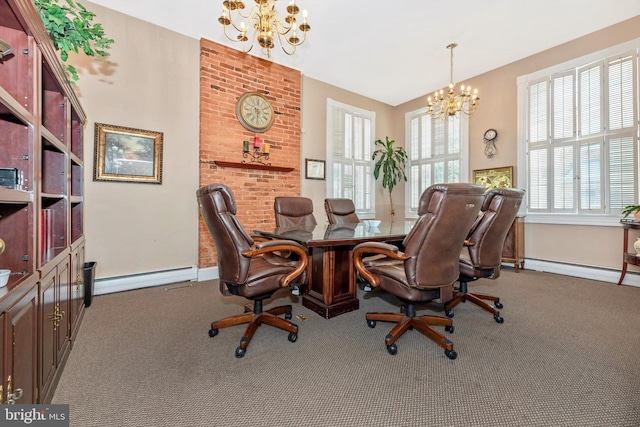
{"x": 463, "y": 155}
{"x": 610, "y": 218}
{"x": 361, "y": 113}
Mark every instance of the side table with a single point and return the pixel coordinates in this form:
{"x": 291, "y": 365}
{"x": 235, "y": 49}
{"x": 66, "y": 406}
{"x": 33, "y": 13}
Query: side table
{"x": 513, "y": 249}
{"x": 628, "y": 257}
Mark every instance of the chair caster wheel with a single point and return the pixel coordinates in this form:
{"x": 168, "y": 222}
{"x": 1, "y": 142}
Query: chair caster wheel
{"x": 293, "y": 336}
{"x": 240, "y": 352}
{"x": 371, "y": 323}
{"x": 288, "y": 315}
{"x": 449, "y": 328}
{"x": 499, "y": 319}
{"x": 451, "y": 354}
{"x": 498, "y": 304}
{"x": 213, "y": 332}
{"x": 392, "y": 349}
{"x": 449, "y": 314}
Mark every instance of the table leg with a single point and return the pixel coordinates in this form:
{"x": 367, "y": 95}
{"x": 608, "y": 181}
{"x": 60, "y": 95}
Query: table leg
{"x": 625, "y": 245}
{"x": 332, "y": 281}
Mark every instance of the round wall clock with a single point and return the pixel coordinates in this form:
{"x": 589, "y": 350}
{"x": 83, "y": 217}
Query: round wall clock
{"x": 255, "y": 112}
{"x": 490, "y": 134}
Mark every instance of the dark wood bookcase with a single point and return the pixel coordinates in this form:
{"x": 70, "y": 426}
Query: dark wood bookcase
{"x": 41, "y": 216}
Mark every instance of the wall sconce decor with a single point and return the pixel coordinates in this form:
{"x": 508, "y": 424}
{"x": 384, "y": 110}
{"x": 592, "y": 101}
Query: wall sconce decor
{"x": 256, "y": 155}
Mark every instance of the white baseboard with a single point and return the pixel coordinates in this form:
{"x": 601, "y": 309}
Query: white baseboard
{"x": 192, "y": 273}
{"x": 144, "y": 280}
{"x": 209, "y": 273}
{"x": 594, "y": 273}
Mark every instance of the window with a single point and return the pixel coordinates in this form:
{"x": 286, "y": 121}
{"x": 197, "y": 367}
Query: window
{"x": 579, "y": 143}
{"x": 437, "y": 151}
{"x": 350, "y": 133}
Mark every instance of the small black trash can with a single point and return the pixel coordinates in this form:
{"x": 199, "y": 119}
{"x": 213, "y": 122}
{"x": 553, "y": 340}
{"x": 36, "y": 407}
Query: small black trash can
{"x": 89, "y": 279}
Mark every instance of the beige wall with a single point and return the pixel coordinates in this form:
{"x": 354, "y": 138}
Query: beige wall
{"x": 152, "y": 84}
{"x": 498, "y": 110}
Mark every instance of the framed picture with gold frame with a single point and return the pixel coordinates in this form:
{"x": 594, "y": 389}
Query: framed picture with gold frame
{"x": 494, "y": 178}
{"x": 127, "y": 155}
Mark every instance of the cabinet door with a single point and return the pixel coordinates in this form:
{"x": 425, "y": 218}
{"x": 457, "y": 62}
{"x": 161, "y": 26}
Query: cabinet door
{"x": 22, "y": 321}
{"x": 48, "y": 330}
{"x": 77, "y": 290}
{"x": 63, "y": 303}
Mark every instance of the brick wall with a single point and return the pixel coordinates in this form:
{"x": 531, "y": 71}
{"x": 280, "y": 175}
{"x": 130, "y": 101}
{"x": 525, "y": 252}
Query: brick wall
{"x": 225, "y": 75}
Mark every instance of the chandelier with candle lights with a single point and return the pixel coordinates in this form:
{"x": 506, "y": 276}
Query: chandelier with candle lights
{"x": 449, "y": 104}
{"x": 263, "y": 24}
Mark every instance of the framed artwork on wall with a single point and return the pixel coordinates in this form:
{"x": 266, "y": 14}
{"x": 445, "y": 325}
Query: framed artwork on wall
{"x": 127, "y": 155}
{"x": 314, "y": 169}
{"x": 494, "y": 178}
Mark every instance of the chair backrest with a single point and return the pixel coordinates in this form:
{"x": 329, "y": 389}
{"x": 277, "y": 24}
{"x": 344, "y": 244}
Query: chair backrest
{"x": 341, "y": 211}
{"x": 498, "y": 211}
{"x": 294, "y": 211}
{"x": 218, "y": 208}
{"x": 446, "y": 213}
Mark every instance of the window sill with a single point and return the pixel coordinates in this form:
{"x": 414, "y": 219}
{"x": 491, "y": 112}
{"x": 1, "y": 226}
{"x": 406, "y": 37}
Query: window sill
{"x": 572, "y": 219}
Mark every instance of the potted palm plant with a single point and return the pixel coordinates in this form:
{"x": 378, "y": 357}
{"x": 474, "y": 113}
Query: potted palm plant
{"x": 391, "y": 161}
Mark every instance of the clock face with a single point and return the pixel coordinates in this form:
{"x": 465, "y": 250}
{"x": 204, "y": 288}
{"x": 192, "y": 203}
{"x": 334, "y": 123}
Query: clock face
{"x": 490, "y": 135}
{"x": 255, "y": 112}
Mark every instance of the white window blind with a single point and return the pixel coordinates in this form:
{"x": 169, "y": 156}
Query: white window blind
{"x": 582, "y": 136}
{"x": 436, "y": 151}
{"x": 349, "y": 149}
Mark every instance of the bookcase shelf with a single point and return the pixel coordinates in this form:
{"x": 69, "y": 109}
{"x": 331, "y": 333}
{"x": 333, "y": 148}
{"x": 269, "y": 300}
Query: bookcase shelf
{"x": 41, "y": 207}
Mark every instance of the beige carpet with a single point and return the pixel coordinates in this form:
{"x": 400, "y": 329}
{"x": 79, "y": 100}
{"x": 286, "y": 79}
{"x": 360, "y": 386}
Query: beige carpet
{"x": 566, "y": 355}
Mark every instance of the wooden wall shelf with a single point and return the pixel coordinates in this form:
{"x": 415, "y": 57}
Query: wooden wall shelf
{"x": 251, "y": 166}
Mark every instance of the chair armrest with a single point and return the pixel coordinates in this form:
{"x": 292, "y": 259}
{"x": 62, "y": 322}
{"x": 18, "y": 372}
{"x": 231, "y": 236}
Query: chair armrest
{"x": 368, "y": 248}
{"x": 269, "y": 246}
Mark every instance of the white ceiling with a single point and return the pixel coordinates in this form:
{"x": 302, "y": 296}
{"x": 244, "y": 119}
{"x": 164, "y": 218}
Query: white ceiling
{"x": 394, "y": 51}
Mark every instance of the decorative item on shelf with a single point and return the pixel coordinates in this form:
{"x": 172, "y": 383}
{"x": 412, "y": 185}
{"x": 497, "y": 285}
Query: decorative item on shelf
{"x": 5, "y": 49}
{"x": 631, "y": 209}
{"x": 449, "y": 104}
{"x": 490, "y": 137}
{"x": 265, "y": 23}
{"x": 4, "y": 277}
{"x": 256, "y": 155}
{"x": 11, "y": 178}
{"x": 636, "y": 246}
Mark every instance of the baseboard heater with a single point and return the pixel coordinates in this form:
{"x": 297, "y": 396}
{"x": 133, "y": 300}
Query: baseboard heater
{"x": 145, "y": 280}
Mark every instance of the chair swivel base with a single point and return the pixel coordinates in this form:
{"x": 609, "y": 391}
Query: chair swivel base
{"x": 255, "y": 319}
{"x": 476, "y": 299}
{"x": 421, "y": 323}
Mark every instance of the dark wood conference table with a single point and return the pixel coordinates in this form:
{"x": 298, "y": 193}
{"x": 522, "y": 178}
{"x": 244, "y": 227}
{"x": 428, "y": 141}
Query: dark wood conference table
{"x": 332, "y": 287}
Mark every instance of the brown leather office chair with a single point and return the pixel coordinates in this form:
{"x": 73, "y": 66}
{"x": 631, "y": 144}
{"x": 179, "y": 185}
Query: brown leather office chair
{"x": 429, "y": 265}
{"x": 294, "y": 211}
{"x": 481, "y": 257}
{"x": 243, "y": 267}
{"x": 341, "y": 211}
